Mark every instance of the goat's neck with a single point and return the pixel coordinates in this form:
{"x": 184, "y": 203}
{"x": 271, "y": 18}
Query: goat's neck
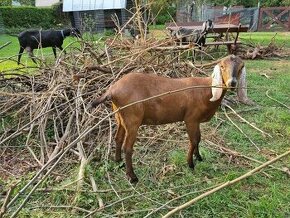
{"x": 205, "y": 93}
{"x": 62, "y": 34}
{"x": 66, "y": 32}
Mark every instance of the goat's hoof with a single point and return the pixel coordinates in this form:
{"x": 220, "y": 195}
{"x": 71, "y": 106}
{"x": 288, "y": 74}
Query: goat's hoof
{"x": 191, "y": 166}
{"x": 122, "y": 165}
{"x": 118, "y": 159}
{"x": 133, "y": 179}
{"x": 199, "y": 158}
{"x": 248, "y": 102}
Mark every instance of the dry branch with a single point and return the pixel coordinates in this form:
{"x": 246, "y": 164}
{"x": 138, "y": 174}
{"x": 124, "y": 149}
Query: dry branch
{"x": 226, "y": 184}
{"x": 253, "y": 50}
{"x": 6, "y": 44}
{"x": 253, "y": 143}
{"x": 253, "y": 126}
{"x": 231, "y": 152}
{"x": 6, "y": 200}
{"x": 267, "y": 94}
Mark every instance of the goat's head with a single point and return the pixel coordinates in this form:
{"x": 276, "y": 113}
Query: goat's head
{"x": 206, "y": 26}
{"x": 75, "y": 32}
{"x": 176, "y": 34}
{"x": 229, "y": 72}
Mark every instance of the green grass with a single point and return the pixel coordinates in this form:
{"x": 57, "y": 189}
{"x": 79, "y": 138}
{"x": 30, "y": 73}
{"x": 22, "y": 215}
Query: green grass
{"x": 264, "y": 38}
{"x": 163, "y": 172}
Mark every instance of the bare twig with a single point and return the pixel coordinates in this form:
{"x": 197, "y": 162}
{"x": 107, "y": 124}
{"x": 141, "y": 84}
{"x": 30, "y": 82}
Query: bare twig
{"x": 241, "y": 131}
{"x": 62, "y": 207}
{"x": 243, "y": 119}
{"x": 267, "y": 93}
{"x": 223, "y": 149}
{"x": 6, "y": 200}
{"x": 226, "y": 184}
{"x": 6, "y": 44}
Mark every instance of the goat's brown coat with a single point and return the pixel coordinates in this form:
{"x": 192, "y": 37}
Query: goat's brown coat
{"x": 193, "y": 106}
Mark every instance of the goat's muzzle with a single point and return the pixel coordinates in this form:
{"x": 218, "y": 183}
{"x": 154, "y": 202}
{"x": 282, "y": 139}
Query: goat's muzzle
{"x": 232, "y": 83}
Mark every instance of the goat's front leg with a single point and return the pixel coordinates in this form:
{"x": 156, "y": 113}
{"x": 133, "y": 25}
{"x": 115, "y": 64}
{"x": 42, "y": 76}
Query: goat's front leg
{"x": 194, "y": 54}
{"x": 20, "y": 54}
{"x": 61, "y": 48}
{"x": 130, "y": 137}
{"x": 193, "y": 132}
{"x": 201, "y": 51}
{"x": 54, "y": 51}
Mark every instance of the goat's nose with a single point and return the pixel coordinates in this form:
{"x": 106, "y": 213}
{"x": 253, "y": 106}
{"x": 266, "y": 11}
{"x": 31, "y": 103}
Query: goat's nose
{"x": 233, "y": 83}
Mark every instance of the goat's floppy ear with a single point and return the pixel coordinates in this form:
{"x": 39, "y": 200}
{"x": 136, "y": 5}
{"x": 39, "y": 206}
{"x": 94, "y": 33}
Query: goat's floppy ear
{"x": 242, "y": 85}
{"x": 216, "y": 81}
{"x": 242, "y": 88}
{"x": 204, "y": 26}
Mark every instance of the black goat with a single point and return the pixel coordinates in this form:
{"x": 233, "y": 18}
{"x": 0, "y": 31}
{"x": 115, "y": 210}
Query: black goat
{"x": 33, "y": 39}
{"x": 135, "y": 31}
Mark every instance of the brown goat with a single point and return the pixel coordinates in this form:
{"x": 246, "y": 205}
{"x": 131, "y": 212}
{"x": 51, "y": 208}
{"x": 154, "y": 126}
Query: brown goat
{"x": 193, "y": 106}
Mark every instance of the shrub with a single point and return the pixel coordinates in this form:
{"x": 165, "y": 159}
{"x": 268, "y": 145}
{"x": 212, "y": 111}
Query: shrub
{"x": 29, "y": 17}
{"x": 5, "y": 2}
{"x": 26, "y": 2}
{"x": 61, "y": 18}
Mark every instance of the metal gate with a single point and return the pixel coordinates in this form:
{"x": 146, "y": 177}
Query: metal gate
{"x": 274, "y": 19}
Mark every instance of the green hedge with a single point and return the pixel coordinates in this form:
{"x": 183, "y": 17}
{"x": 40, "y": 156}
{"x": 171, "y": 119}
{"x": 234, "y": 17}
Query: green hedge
{"x": 27, "y": 17}
{"x": 5, "y": 2}
{"x": 30, "y": 17}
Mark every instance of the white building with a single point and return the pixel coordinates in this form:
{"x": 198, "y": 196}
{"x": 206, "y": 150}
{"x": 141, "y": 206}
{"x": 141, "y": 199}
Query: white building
{"x": 89, "y": 5}
{"x": 45, "y": 3}
{"x": 96, "y": 15}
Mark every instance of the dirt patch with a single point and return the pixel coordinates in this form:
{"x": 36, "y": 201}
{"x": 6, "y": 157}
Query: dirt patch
{"x": 15, "y": 163}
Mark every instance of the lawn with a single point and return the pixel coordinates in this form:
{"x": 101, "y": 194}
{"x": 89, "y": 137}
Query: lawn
{"x": 11, "y": 52}
{"x": 165, "y": 181}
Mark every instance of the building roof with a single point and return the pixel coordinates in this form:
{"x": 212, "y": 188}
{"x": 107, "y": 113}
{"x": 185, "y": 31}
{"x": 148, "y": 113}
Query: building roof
{"x": 86, "y": 5}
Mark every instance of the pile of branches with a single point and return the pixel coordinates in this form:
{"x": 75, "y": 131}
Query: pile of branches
{"x": 253, "y": 50}
{"x": 46, "y": 111}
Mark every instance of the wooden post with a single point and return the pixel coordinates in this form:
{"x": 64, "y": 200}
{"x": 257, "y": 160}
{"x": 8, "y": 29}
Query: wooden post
{"x": 289, "y": 19}
{"x": 260, "y": 19}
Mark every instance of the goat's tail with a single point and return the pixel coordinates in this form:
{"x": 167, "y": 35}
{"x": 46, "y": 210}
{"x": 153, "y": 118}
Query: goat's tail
{"x": 103, "y": 98}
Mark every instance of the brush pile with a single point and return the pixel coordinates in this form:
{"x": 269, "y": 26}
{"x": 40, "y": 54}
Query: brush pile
{"x": 44, "y": 109}
{"x": 49, "y": 107}
{"x": 253, "y": 50}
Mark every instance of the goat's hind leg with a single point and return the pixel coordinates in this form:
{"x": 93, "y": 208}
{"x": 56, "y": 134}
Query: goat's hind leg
{"x": 119, "y": 138}
{"x": 193, "y": 132}
{"x": 130, "y": 137}
{"x": 31, "y": 55}
{"x": 54, "y": 51}
{"x": 20, "y": 54}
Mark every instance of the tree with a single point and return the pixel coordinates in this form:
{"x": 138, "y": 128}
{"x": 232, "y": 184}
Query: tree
{"x": 250, "y": 3}
{"x": 274, "y": 3}
{"x": 5, "y": 2}
{"x": 26, "y": 2}
{"x": 162, "y": 10}
{"x": 246, "y": 3}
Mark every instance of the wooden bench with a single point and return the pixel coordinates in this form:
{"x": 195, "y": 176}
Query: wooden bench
{"x": 222, "y": 29}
